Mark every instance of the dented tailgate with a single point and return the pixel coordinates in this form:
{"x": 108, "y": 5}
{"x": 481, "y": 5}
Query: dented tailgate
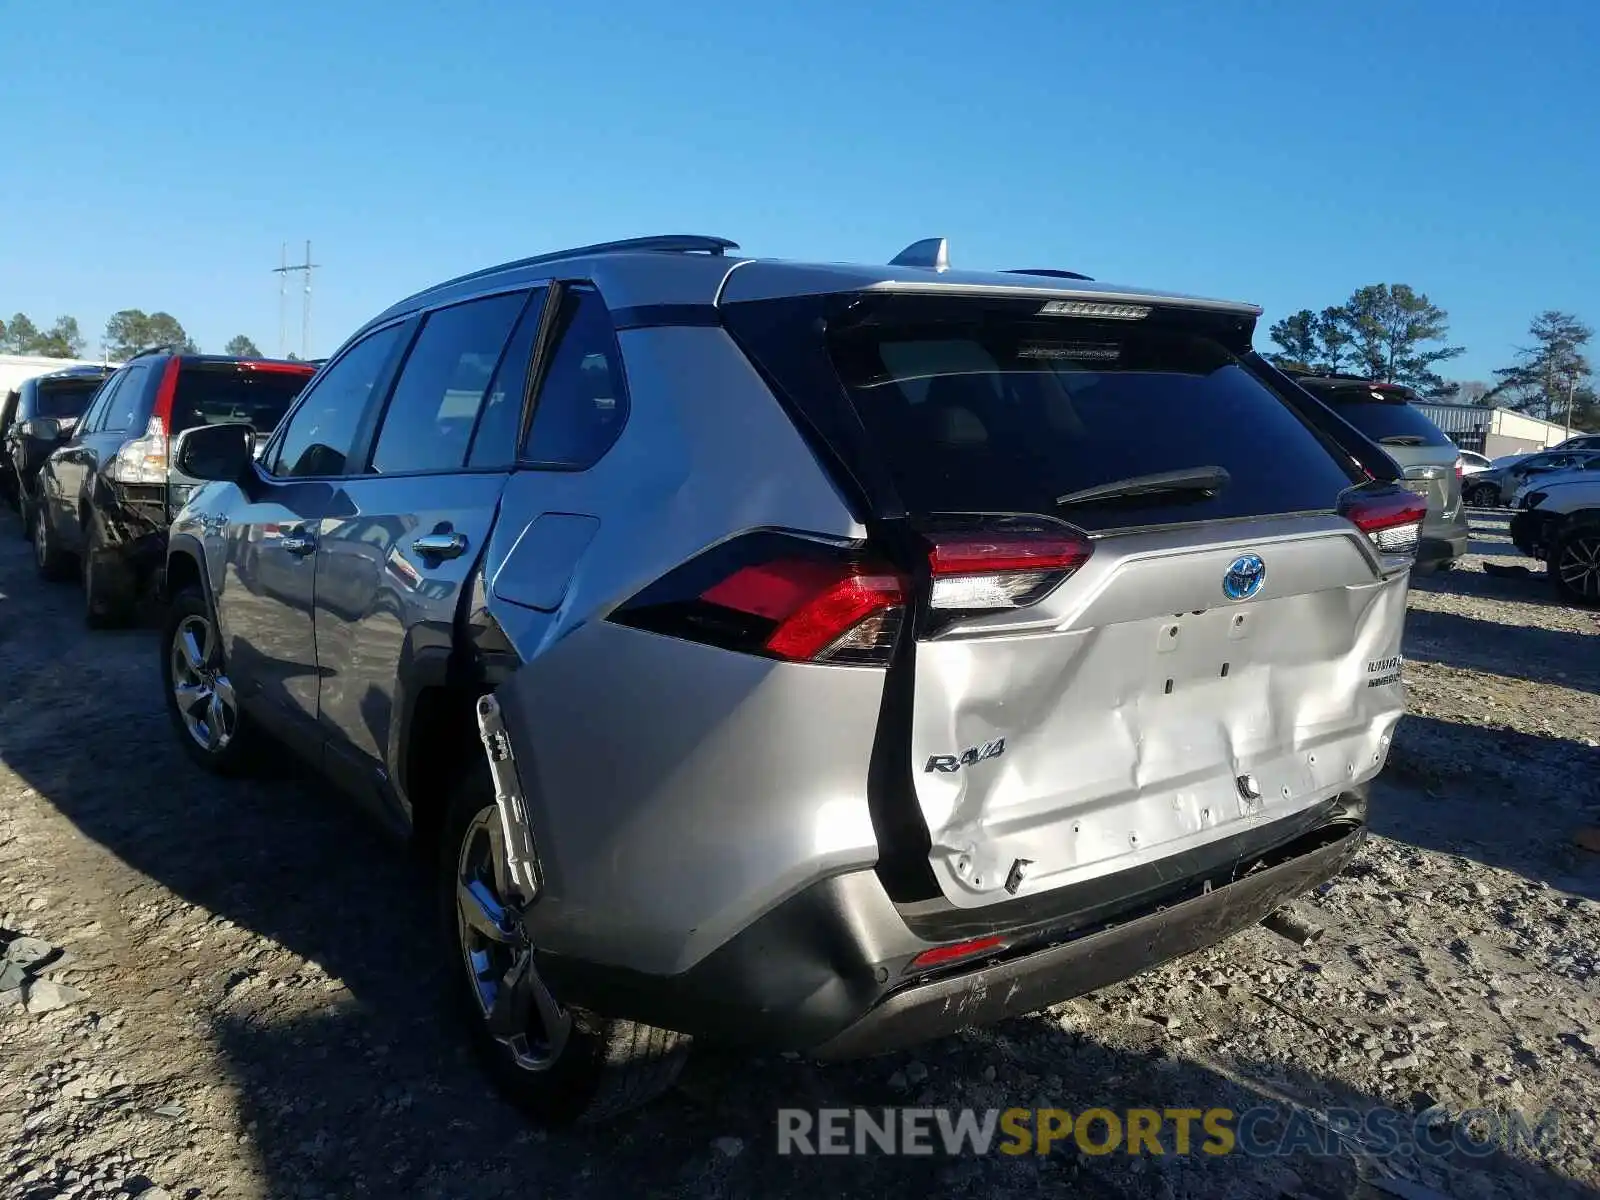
{"x": 1138, "y": 711}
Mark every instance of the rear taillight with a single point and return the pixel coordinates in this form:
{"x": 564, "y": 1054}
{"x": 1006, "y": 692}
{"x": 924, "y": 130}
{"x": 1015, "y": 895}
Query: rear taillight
{"x": 144, "y": 459}
{"x": 818, "y": 610}
{"x": 1001, "y": 569}
{"x": 1461, "y": 467}
{"x": 1391, "y": 519}
{"x": 780, "y": 596}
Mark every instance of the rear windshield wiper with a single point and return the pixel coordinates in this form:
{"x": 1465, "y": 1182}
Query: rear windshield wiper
{"x": 1401, "y": 439}
{"x": 1209, "y": 480}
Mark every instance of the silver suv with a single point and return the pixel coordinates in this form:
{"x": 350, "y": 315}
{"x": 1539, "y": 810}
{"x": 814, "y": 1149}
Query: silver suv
{"x": 1430, "y": 462}
{"x": 807, "y": 656}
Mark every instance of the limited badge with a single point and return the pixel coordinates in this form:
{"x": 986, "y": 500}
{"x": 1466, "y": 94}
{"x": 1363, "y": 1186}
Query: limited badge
{"x": 1384, "y": 671}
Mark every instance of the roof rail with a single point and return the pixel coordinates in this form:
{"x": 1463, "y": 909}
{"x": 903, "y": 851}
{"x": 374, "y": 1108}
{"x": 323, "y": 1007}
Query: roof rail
{"x": 1050, "y": 271}
{"x": 678, "y": 243}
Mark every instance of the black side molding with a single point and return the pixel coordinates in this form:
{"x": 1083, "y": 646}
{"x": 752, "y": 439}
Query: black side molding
{"x": 653, "y": 316}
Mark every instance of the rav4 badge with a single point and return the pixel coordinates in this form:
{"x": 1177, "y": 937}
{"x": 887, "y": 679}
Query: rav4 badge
{"x": 950, "y": 763}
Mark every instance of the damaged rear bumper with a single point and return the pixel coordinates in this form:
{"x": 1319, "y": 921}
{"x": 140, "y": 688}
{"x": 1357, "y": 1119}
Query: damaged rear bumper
{"x": 1034, "y": 981}
{"x": 829, "y": 972}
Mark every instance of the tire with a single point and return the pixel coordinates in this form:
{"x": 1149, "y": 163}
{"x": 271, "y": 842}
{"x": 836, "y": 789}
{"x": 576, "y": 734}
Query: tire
{"x": 236, "y": 748}
{"x": 1574, "y": 564}
{"x": 106, "y": 604}
{"x": 54, "y": 566}
{"x": 604, "y": 1067}
{"x": 25, "y": 511}
{"x": 1484, "y": 495}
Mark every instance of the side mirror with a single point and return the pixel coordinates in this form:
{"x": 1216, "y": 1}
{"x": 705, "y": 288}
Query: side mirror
{"x": 215, "y": 452}
{"x": 45, "y": 429}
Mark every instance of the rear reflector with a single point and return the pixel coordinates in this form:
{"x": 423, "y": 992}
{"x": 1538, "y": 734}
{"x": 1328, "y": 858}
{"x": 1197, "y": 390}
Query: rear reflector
{"x": 940, "y": 955}
{"x": 1007, "y": 569}
{"x": 1392, "y": 519}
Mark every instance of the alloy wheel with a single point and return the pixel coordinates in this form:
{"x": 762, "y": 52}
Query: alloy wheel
{"x": 519, "y": 1010}
{"x": 41, "y": 531}
{"x": 1579, "y": 566}
{"x": 203, "y": 693}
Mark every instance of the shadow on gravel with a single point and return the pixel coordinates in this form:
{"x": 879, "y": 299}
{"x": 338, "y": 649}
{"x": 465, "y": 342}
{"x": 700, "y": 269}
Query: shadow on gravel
{"x": 1555, "y": 656}
{"x": 1532, "y": 588}
{"x": 1465, "y": 791}
{"x": 1496, "y": 549}
{"x": 357, "y": 1084}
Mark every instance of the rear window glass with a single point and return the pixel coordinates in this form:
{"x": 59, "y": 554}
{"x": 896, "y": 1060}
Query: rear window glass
{"x": 224, "y": 393}
{"x": 65, "y": 398}
{"x": 1010, "y": 415}
{"x": 1381, "y": 419}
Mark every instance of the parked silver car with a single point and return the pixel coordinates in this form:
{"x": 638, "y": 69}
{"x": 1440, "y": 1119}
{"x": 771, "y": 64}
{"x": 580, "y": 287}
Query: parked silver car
{"x": 1432, "y": 464}
{"x": 1507, "y": 476}
{"x": 809, "y": 656}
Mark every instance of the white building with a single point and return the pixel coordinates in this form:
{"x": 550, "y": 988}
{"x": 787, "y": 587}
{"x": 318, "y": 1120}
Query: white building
{"x": 14, "y": 368}
{"x": 1495, "y": 431}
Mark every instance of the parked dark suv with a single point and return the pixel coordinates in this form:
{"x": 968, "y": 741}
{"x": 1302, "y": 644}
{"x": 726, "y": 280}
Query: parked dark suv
{"x": 813, "y": 656}
{"x": 106, "y": 497}
{"x": 34, "y": 419}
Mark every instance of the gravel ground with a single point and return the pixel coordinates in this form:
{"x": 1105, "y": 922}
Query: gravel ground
{"x": 246, "y": 1002}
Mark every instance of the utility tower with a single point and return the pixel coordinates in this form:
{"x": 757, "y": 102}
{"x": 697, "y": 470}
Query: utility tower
{"x": 283, "y": 271}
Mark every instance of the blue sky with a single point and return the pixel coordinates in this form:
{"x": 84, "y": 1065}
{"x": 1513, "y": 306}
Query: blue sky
{"x": 158, "y": 154}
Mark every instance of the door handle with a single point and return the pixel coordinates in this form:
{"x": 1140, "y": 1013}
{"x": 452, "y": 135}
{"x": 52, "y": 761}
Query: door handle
{"x": 298, "y": 544}
{"x": 440, "y": 545}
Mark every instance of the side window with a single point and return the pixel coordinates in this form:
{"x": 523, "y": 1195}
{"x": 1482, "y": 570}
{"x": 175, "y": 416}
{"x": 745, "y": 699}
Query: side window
{"x": 434, "y": 407}
{"x": 495, "y": 443}
{"x": 582, "y": 403}
{"x": 126, "y": 411}
{"x": 97, "y": 406}
{"x": 319, "y": 432}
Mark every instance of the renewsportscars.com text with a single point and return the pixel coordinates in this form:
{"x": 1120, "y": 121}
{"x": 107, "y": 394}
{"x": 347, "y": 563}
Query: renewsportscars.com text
{"x": 1263, "y": 1131}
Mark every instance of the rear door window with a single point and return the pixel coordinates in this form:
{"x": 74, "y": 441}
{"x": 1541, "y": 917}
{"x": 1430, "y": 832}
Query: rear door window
{"x": 129, "y": 409}
{"x": 1007, "y": 414}
{"x": 220, "y": 393}
{"x": 434, "y": 408}
{"x": 495, "y": 442}
{"x": 96, "y": 412}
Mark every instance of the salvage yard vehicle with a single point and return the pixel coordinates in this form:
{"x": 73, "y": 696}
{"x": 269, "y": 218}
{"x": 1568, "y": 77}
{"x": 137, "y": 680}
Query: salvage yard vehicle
{"x": 1558, "y": 522}
{"x": 1509, "y": 476}
{"x": 106, "y": 496}
{"x": 806, "y": 656}
{"x": 1431, "y": 463}
{"x": 34, "y": 419}
{"x": 1581, "y": 468}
